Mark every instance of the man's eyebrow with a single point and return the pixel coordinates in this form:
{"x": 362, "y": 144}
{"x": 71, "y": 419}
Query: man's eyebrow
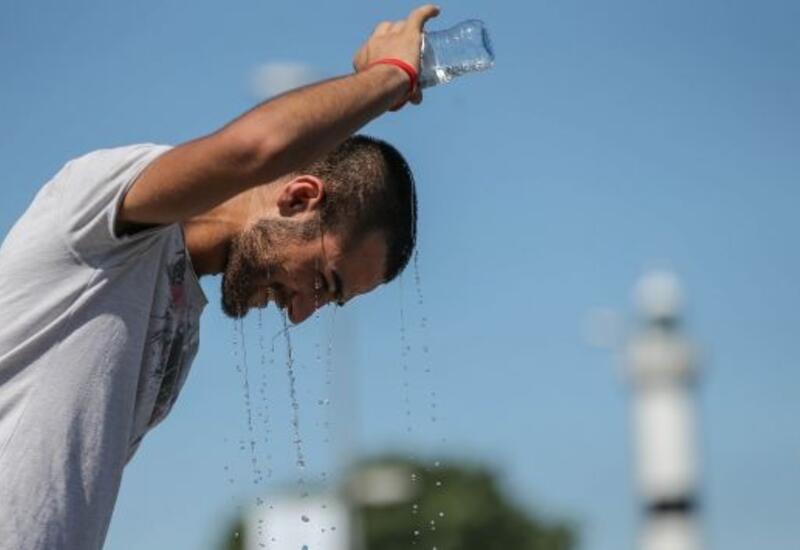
{"x": 338, "y": 291}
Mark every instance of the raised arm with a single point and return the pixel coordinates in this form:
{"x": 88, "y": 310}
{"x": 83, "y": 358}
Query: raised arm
{"x": 280, "y": 135}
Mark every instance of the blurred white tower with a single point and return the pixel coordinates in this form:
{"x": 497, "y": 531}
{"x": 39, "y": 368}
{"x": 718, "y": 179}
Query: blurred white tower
{"x": 661, "y": 364}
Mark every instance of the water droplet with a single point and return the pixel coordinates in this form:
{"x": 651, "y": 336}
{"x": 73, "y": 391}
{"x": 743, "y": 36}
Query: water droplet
{"x": 441, "y": 514}
{"x": 300, "y": 459}
{"x": 304, "y": 518}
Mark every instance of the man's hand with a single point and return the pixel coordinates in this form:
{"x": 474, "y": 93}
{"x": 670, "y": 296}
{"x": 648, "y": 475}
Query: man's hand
{"x": 398, "y": 39}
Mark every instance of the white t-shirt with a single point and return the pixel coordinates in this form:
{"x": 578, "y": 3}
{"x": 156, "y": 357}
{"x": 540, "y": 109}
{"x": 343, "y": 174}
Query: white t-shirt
{"x": 97, "y": 334}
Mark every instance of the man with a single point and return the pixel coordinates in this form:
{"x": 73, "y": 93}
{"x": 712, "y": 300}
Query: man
{"x": 98, "y": 279}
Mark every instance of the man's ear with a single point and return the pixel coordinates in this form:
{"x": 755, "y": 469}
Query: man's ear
{"x": 300, "y": 195}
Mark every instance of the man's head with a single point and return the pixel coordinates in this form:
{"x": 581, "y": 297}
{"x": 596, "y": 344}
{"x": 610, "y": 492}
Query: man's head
{"x": 344, "y": 225}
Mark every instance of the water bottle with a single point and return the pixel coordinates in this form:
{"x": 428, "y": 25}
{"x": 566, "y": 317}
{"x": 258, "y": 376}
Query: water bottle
{"x": 461, "y": 49}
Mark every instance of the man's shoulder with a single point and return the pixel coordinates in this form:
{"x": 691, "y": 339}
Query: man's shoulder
{"x": 118, "y": 154}
{"x": 90, "y": 189}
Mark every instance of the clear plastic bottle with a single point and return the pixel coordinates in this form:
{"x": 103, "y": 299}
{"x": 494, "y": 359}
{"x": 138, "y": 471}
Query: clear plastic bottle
{"x": 461, "y": 49}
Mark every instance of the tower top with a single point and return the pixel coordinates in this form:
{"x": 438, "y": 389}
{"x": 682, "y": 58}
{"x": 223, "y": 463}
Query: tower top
{"x": 659, "y": 297}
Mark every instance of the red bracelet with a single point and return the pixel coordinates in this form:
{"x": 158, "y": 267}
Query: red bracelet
{"x": 413, "y": 77}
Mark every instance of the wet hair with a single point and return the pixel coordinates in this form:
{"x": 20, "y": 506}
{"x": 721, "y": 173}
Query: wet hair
{"x": 370, "y": 188}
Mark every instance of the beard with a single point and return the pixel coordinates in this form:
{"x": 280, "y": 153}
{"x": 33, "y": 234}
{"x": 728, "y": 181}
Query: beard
{"x": 253, "y": 257}
{"x": 238, "y": 280}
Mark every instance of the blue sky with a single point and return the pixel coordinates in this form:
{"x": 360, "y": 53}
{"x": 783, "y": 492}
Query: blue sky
{"x": 609, "y": 137}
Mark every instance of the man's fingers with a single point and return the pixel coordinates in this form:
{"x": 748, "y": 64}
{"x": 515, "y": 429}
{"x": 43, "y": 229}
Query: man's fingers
{"x": 419, "y": 16}
{"x": 382, "y": 27}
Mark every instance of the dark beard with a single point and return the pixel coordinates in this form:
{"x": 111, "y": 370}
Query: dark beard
{"x": 237, "y": 281}
{"x": 248, "y": 261}
{"x": 252, "y": 256}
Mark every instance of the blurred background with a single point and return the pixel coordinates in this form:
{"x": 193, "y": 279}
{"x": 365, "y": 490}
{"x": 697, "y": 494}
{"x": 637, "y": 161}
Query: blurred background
{"x": 488, "y": 385}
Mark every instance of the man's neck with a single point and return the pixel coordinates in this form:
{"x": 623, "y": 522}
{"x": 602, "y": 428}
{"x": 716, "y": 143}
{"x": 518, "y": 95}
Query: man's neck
{"x": 208, "y": 236}
{"x": 207, "y": 241}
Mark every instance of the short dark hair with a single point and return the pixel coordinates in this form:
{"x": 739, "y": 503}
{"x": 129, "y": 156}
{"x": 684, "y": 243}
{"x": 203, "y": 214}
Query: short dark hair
{"x": 369, "y": 187}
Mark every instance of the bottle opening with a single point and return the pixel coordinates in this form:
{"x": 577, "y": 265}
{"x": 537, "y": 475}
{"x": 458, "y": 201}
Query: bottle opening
{"x": 487, "y": 43}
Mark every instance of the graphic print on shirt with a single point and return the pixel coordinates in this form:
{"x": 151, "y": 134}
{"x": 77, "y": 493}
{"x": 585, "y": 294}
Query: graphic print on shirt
{"x": 169, "y": 341}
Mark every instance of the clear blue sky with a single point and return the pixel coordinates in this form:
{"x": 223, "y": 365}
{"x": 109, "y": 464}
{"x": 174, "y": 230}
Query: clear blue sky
{"x": 609, "y": 136}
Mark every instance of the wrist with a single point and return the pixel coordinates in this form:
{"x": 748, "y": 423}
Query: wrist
{"x": 402, "y": 74}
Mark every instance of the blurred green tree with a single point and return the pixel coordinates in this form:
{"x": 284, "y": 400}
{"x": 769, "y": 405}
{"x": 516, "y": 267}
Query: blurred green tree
{"x": 234, "y": 537}
{"x": 458, "y": 507}
{"x": 446, "y": 507}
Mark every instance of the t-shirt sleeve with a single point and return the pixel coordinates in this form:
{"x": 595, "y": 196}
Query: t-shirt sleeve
{"x": 91, "y": 189}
